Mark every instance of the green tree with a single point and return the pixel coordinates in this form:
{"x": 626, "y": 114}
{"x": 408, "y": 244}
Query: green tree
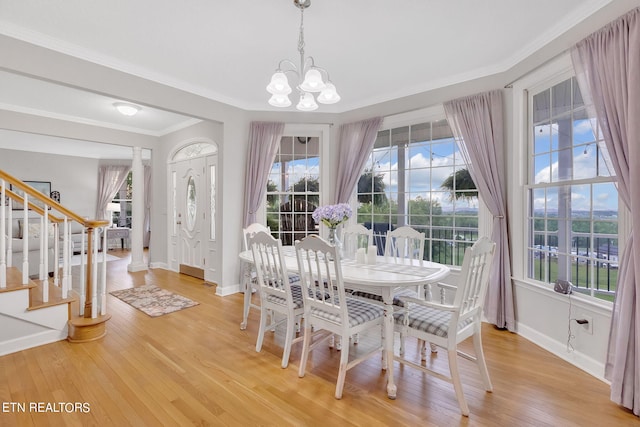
{"x": 460, "y": 185}
{"x": 307, "y": 185}
{"x": 421, "y": 210}
{"x": 371, "y": 188}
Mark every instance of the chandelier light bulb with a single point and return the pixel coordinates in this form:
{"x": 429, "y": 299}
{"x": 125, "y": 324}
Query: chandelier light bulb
{"x": 280, "y": 101}
{"x": 279, "y": 84}
{"x": 307, "y": 103}
{"x": 312, "y": 81}
{"x": 329, "y": 95}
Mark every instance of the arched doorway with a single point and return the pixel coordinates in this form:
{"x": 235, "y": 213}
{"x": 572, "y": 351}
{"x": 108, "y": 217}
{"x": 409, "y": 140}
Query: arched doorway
{"x": 193, "y": 238}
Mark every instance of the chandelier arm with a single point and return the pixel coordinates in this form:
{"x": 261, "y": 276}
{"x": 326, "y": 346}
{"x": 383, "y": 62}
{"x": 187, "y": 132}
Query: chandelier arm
{"x": 290, "y": 63}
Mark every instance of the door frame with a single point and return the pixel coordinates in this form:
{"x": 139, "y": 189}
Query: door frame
{"x": 211, "y": 273}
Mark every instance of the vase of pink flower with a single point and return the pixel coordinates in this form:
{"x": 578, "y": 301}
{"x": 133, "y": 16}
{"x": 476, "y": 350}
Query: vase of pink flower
{"x": 333, "y": 216}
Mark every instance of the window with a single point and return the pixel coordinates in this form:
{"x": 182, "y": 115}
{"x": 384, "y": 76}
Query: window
{"x": 416, "y": 176}
{"x": 572, "y": 200}
{"x": 122, "y": 218}
{"x": 294, "y": 188}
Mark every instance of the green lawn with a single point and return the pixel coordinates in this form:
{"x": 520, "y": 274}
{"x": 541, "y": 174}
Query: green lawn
{"x": 580, "y": 273}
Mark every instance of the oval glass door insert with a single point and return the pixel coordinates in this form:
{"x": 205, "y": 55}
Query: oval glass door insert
{"x": 192, "y": 203}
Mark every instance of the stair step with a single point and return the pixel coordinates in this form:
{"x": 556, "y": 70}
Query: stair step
{"x": 55, "y": 296}
{"x": 14, "y": 281}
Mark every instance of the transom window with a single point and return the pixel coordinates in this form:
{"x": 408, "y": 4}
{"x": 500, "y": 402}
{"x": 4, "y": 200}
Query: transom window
{"x": 573, "y": 202}
{"x": 416, "y": 176}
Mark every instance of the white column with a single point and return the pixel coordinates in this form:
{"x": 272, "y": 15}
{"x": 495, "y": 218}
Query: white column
{"x": 137, "y": 212}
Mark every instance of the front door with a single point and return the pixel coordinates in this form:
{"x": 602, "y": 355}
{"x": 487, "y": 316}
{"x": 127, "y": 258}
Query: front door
{"x": 192, "y": 217}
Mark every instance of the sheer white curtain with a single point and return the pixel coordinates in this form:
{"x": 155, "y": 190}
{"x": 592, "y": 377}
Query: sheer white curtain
{"x": 477, "y": 124}
{"x": 264, "y": 140}
{"x": 355, "y": 145}
{"x": 110, "y": 179}
{"x": 607, "y": 66}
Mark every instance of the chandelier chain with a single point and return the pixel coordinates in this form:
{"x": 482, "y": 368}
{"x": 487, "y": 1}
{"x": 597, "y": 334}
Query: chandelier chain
{"x": 301, "y": 37}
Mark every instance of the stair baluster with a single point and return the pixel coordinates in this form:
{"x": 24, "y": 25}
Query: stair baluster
{"x": 3, "y": 238}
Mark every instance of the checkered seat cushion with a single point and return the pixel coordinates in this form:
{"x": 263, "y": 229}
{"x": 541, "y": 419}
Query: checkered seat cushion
{"x": 359, "y": 312}
{"x": 429, "y": 320}
{"x": 296, "y": 293}
{"x": 404, "y": 292}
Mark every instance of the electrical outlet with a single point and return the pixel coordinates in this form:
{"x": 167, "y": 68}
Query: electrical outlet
{"x": 588, "y": 326}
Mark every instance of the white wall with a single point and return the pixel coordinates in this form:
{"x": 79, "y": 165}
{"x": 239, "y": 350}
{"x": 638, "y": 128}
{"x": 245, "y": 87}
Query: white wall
{"x": 76, "y": 178}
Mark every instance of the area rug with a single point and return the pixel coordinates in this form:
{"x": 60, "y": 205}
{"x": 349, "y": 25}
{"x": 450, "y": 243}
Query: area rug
{"x": 153, "y": 300}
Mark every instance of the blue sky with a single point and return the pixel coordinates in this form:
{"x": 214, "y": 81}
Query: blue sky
{"x": 587, "y": 162}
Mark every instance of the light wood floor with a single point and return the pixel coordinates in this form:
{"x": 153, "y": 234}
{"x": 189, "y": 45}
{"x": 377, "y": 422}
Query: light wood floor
{"x": 196, "y": 367}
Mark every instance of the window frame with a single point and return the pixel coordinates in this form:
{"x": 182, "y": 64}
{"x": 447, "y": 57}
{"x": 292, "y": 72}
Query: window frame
{"x": 322, "y": 132}
{"x": 550, "y": 74}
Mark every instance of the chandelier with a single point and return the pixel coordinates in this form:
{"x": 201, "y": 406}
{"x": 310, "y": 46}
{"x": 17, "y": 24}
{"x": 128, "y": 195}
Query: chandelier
{"x": 316, "y": 79}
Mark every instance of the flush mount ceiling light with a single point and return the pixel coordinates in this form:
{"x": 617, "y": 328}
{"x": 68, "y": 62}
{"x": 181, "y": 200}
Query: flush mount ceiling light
{"x": 315, "y": 80}
{"x": 127, "y": 109}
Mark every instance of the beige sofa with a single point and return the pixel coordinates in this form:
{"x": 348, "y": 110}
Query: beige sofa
{"x": 33, "y": 245}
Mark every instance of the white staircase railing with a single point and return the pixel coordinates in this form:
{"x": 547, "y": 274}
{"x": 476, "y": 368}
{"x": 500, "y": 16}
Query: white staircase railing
{"x": 54, "y": 250}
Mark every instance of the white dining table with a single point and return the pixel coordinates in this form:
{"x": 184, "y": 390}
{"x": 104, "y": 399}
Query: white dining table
{"x": 381, "y": 279}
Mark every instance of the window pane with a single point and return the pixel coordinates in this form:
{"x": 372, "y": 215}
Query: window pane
{"x": 541, "y": 104}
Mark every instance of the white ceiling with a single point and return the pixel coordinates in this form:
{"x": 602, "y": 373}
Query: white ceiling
{"x": 374, "y": 50}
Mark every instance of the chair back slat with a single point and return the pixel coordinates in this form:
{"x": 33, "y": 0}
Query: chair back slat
{"x": 474, "y": 277}
{"x": 404, "y": 245}
{"x": 271, "y": 269}
{"x": 321, "y": 276}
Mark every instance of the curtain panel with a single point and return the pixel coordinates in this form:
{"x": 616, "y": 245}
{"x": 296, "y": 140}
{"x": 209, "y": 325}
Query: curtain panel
{"x": 264, "y": 140}
{"x": 477, "y": 124}
{"x": 355, "y": 145}
{"x": 607, "y": 65}
{"x": 110, "y": 179}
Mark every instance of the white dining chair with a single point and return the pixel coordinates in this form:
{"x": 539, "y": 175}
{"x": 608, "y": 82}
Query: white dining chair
{"x": 354, "y": 237}
{"x": 404, "y": 245}
{"x": 447, "y": 325}
{"x": 279, "y": 291}
{"x": 327, "y": 308}
{"x": 249, "y": 280}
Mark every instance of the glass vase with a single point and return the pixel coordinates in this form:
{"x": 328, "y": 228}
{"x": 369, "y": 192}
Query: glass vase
{"x": 335, "y": 240}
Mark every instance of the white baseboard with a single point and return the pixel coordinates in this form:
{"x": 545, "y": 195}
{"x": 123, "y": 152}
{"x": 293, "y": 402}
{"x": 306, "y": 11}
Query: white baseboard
{"x": 579, "y": 360}
{"x": 140, "y": 266}
{"x": 224, "y": 291}
{"x": 161, "y": 265}
{"x": 30, "y": 341}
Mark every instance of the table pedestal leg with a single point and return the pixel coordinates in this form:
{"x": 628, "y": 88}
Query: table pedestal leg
{"x": 246, "y": 284}
{"x": 388, "y": 342}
